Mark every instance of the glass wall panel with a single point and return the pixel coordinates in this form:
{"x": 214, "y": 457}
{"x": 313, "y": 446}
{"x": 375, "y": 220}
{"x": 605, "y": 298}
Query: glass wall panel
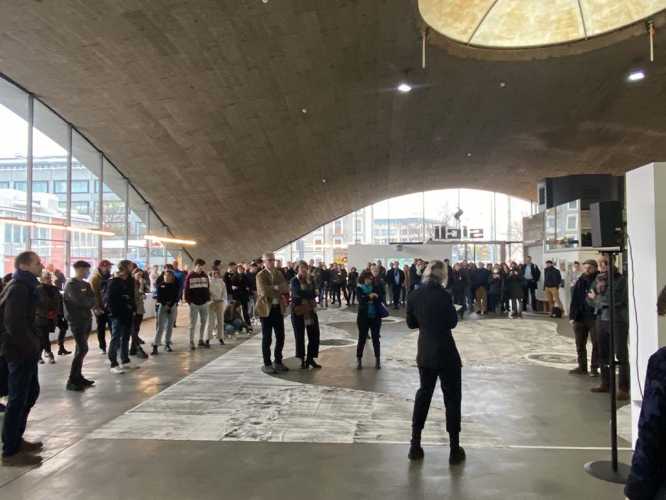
{"x": 519, "y": 209}
{"x": 158, "y": 254}
{"x": 488, "y": 218}
{"x": 138, "y": 216}
{"x": 13, "y": 171}
{"x": 440, "y": 208}
{"x": 86, "y": 173}
{"x": 50, "y": 245}
{"x": 477, "y": 214}
{"x": 94, "y": 187}
{"x": 502, "y": 217}
{"x": 171, "y": 255}
{"x": 406, "y": 215}
{"x": 381, "y": 225}
{"x": 114, "y": 213}
{"x": 49, "y": 175}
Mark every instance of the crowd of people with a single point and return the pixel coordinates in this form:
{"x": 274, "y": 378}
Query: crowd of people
{"x": 34, "y": 303}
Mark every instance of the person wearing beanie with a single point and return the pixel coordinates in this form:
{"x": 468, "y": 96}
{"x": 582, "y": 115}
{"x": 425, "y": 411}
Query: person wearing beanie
{"x": 119, "y": 300}
{"x": 79, "y": 300}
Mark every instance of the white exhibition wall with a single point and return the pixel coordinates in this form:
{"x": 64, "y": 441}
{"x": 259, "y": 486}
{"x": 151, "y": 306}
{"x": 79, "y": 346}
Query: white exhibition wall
{"x": 646, "y": 228}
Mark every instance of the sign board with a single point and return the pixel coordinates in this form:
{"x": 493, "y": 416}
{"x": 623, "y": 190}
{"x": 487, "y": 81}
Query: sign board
{"x": 452, "y": 233}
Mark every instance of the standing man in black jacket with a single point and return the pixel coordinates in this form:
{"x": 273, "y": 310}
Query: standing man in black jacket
{"x": 582, "y": 317}
{"x": 79, "y": 301}
{"x": 21, "y": 349}
{"x": 531, "y": 275}
{"x": 430, "y": 309}
{"x": 120, "y": 303}
{"x": 395, "y": 278}
{"x": 552, "y": 281}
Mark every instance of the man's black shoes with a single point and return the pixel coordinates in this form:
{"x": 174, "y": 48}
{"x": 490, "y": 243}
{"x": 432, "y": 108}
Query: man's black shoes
{"x": 415, "y": 451}
{"x": 457, "y": 456}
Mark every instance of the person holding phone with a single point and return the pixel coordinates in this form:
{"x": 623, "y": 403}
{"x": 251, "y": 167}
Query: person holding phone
{"x": 369, "y": 292}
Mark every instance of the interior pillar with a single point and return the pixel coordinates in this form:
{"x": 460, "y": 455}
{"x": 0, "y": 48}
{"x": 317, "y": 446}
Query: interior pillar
{"x": 646, "y": 229}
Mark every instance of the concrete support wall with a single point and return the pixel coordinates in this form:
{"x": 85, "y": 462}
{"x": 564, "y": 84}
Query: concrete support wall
{"x": 646, "y": 228}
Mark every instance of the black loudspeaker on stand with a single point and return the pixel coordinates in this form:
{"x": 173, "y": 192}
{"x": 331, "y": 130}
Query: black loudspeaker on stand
{"x": 607, "y": 232}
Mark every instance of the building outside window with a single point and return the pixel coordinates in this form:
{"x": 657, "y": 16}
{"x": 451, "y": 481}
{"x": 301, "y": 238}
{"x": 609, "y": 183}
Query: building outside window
{"x": 40, "y": 186}
{"x": 412, "y": 219}
{"x": 81, "y": 207}
{"x": 51, "y": 198}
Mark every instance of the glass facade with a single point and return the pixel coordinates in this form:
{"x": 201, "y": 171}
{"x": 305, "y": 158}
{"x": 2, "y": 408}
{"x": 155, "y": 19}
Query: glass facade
{"x": 51, "y": 174}
{"x": 486, "y": 222}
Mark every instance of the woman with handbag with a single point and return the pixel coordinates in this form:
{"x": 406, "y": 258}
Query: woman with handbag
{"x": 369, "y": 316}
{"x": 304, "y": 316}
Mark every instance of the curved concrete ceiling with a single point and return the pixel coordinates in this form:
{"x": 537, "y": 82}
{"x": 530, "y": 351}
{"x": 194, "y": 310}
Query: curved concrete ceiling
{"x": 227, "y": 115}
{"x": 532, "y": 23}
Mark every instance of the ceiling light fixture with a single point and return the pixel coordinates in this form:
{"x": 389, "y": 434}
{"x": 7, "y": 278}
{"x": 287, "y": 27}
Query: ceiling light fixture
{"x": 502, "y": 84}
{"x": 164, "y": 239}
{"x": 636, "y": 76}
{"x": 47, "y": 225}
{"x": 404, "y": 87}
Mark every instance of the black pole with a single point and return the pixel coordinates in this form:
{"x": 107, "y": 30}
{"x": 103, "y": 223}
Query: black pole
{"x": 602, "y": 469}
{"x": 611, "y": 358}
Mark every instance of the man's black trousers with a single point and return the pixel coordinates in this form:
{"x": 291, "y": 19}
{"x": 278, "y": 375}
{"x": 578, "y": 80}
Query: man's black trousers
{"x": 273, "y": 322}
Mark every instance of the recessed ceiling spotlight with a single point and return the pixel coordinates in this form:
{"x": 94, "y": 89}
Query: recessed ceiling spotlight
{"x": 323, "y": 181}
{"x": 404, "y": 87}
{"x": 304, "y": 111}
{"x": 502, "y": 84}
{"x": 636, "y": 76}
{"x": 264, "y": 1}
{"x": 469, "y": 155}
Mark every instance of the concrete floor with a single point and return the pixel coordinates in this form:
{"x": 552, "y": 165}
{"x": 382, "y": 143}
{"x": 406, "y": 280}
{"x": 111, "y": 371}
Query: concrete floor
{"x": 228, "y": 431}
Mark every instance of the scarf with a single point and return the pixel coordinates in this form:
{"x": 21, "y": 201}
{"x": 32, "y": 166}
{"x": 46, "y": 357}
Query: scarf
{"x": 29, "y": 279}
{"x": 367, "y": 289}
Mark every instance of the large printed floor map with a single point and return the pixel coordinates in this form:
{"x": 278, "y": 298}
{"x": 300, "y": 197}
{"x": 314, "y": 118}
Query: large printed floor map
{"x": 231, "y": 399}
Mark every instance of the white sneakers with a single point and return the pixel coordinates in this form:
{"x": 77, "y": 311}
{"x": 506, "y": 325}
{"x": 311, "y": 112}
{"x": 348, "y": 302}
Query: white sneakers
{"x": 117, "y": 369}
{"x": 129, "y": 366}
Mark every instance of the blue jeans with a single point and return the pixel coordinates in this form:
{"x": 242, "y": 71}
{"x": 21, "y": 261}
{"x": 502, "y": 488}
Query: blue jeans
{"x": 233, "y": 327}
{"x": 121, "y": 331}
{"x": 23, "y": 384}
{"x": 165, "y": 319}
